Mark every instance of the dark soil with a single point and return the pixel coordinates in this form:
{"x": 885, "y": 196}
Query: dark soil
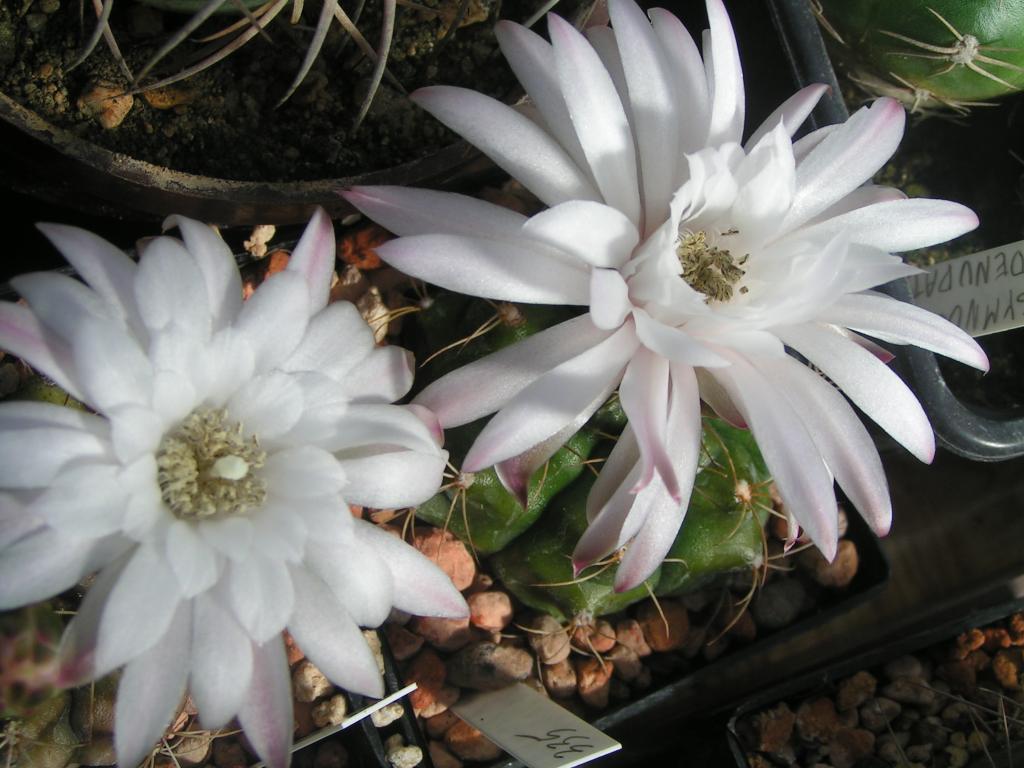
{"x": 228, "y": 125}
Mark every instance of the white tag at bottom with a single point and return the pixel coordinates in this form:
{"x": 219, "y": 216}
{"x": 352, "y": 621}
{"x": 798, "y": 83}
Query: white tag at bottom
{"x": 534, "y": 729}
{"x": 352, "y": 719}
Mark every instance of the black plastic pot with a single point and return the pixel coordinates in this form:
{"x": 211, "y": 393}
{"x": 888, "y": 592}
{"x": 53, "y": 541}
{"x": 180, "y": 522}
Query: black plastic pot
{"x": 959, "y": 427}
{"x": 823, "y": 680}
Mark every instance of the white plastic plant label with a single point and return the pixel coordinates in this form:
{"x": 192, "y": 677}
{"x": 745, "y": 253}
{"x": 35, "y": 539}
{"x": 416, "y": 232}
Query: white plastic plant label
{"x": 352, "y": 719}
{"x": 534, "y": 729}
{"x": 981, "y": 292}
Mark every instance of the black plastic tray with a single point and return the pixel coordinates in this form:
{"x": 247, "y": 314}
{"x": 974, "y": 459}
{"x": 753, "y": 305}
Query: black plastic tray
{"x": 959, "y": 427}
{"x": 806, "y": 685}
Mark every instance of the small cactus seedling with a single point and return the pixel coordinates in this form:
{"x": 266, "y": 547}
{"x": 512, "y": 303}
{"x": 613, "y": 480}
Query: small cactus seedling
{"x": 931, "y": 54}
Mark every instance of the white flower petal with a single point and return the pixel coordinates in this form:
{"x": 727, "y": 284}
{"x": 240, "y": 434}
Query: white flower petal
{"x": 170, "y": 289}
{"x": 873, "y": 387}
{"x": 266, "y": 712}
{"x": 268, "y": 406}
{"x": 803, "y": 480}
{"x": 192, "y": 559}
{"x": 725, "y": 77}
{"x": 380, "y": 425}
{"x": 421, "y": 587}
{"x": 410, "y": 211}
{"x": 656, "y": 115}
{"x": 691, "y": 84}
{"x": 665, "y": 507}
{"x": 596, "y": 234}
{"x": 673, "y": 343}
{"x": 517, "y": 145}
{"x": 533, "y": 62}
{"x": 902, "y": 323}
{"x": 261, "y": 595}
{"x": 274, "y": 318}
{"x": 279, "y": 527}
{"x": 844, "y": 443}
{"x": 790, "y": 114}
{"x": 83, "y": 501}
{"x": 644, "y": 393}
{"x": 609, "y": 299}
{"x": 330, "y": 638}
{"x": 313, "y": 259}
{"x": 492, "y": 269}
{"x": 552, "y": 401}
{"x": 112, "y": 369}
{"x": 358, "y": 577}
{"x": 215, "y": 261}
{"x": 845, "y": 159}
{"x": 337, "y": 339}
{"x": 899, "y": 225}
{"x": 144, "y": 598}
{"x": 62, "y": 303}
{"x": 106, "y": 268}
{"x": 24, "y": 336}
{"x": 303, "y": 471}
{"x": 221, "y": 665}
{"x": 385, "y": 375}
{"x": 231, "y": 536}
{"x": 609, "y": 503}
{"x": 31, "y": 457}
{"x": 393, "y": 479}
{"x": 485, "y": 385}
{"x": 150, "y": 691}
{"x": 598, "y": 118}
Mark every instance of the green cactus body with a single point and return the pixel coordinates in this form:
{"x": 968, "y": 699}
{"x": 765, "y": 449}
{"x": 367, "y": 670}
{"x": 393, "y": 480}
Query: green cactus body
{"x": 723, "y": 532}
{"x": 932, "y": 53}
{"x": 493, "y": 515}
{"x": 724, "y": 526}
{"x": 42, "y": 390}
{"x": 537, "y": 567}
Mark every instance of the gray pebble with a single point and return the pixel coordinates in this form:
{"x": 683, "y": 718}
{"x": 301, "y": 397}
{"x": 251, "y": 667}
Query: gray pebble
{"x": 878, "y": 712}
{"x": 549, "y": 639}
{"x": 49, "y": 6}
{"x": 930, "y": 730}
{"x": 891, "y": 752}
{"x": 35, "y": 21}
{"x": 778, "y": 603}
{"x": 909, "y": 692}
{"x": 920, "y": 753}
{"x": 906, "y": 667}
{"x": 488, "y": 667}
{"x": 958, "y": 757}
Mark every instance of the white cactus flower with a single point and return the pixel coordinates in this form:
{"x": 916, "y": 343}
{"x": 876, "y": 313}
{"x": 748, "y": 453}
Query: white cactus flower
{"x": 702, "y": 261}
{"x": 210, "y": 484}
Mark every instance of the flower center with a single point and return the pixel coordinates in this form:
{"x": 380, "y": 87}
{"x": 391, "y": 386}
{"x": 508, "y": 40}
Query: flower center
{"x": 707, "y": 268}
{"x": 205, "y": 467}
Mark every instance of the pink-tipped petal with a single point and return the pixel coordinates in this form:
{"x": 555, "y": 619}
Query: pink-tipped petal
{"x": 878, "y": 351}
{"x": 665, "y": 511}
{"x": 644, "y": 393}
{"x": 795, "y": 462}
{"x": 409, "y": 211}
{"x": 22, "y": 335}
{"x": 902, "y": 323}
{"x": 554, "y": 400}
{"x": 873, "y": 387}
{"x": 421, "y": 588}
{"x": 429, "y": 419}
{"x": 899, "y": 225}
{"x": 712, "y": 393}
{"x": 683, "y": 58}
{"x": 151, "y": 690}
{"x": 844, "y": 443}
{"x": 313, "y": 258}
{"x": 221, "y": 664}
{"x": 326, "y": 633}
{"x": 266, "y": 713}
{"x": 485, "y": 385}
{"x": 491, "y": 269}
{"x": 845, "y": 159}
{"x": 791, "y": 113}
{"x": 514, "y": 142}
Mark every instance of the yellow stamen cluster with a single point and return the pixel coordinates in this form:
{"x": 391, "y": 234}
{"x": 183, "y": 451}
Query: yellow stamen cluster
{"x": 205, "y": 467}
{"x": 707, "y": 268}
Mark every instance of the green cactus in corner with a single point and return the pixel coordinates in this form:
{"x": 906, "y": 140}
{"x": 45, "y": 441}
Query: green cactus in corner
{"x": 931, "y": 54}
